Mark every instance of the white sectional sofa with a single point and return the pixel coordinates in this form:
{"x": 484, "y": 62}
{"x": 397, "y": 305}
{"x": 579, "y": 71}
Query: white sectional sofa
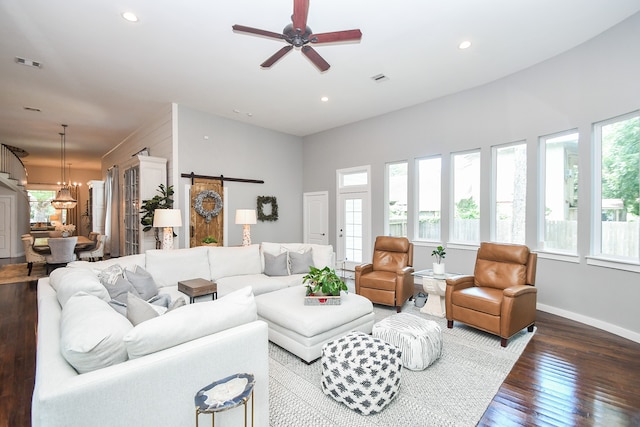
{"x": 148, "y": 375}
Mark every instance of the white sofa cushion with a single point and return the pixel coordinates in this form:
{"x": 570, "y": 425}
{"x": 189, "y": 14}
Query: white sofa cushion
{"x": 191, "y": 322}
{"x": 69, "y": 281}
{"x": 234, "y": 261}
{"x": 126, "y": 262}
{"x": 259, "y": 283}
{"x": 170, "y": 267}
{"x": 322, "y": 254}
{"x": 91, "y": 333}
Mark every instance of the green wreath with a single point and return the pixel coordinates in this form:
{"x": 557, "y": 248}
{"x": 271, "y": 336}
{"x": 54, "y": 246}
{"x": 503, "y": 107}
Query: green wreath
{"x": 267, "y": 200}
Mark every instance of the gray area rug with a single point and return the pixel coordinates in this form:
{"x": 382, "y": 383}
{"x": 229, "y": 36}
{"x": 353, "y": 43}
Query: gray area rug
{"x": 454, "y": 391}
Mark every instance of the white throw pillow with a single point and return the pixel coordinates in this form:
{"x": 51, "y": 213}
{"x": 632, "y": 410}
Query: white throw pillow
{"x": 191, "y": 322}
{"x": 170, "y": 267}
{"x": 234, "y": 261}
{"x": 69, "y": 281}
{"x": 91, "y": 333}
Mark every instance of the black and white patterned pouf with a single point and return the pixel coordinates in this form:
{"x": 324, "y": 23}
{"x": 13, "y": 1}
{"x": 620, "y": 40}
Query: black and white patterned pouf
{"x": 419, "y": 340}
{"x": 361, "y": 371}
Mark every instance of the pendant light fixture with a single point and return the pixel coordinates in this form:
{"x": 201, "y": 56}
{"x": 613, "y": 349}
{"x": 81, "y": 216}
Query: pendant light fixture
{"x": 64, "y": 199}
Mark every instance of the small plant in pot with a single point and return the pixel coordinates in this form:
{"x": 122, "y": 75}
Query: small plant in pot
{"x": 438, "y": 266}
{"x": 323, "y": 281}
{"x": 210, "y": 241}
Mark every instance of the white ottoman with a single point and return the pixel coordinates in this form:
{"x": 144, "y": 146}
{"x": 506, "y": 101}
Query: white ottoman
{"x": 419, "y": 340}
{"x": 303, "y": 329}
{"x": 361, "y": 371}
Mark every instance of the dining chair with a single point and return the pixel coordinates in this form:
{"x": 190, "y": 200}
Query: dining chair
{"x": 62, "y": 252}
{"x": 97, "y": 252}
{"x": 31, "y": 255}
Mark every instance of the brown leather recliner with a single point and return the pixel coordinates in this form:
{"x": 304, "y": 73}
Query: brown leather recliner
{"x": 388, "y": 280}
{"x": 500, "y": 298}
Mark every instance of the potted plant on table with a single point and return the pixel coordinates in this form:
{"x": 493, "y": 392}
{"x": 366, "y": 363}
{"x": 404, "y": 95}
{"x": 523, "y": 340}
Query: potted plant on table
{"x": 438, "y": 266}
{"x": 323, "y": 286}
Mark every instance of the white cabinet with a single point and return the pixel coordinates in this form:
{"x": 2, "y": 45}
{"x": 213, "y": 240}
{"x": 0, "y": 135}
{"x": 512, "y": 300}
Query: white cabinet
{"x": 141, "y": 181}
{"x": 96, "y": 206}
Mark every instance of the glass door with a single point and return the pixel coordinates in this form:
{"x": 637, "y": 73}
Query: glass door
{"x": 131, "y": 211}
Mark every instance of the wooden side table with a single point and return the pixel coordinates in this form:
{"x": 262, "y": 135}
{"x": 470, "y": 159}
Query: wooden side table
{"x": 197, "y": 288}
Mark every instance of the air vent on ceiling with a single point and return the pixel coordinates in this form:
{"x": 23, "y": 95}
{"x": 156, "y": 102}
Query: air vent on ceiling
{"x": 379, "y": 78}
{"x": 28, "y": 62}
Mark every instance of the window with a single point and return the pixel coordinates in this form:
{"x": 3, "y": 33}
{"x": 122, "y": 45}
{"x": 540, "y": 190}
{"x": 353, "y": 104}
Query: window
{"x": 40, "y": 206}
{"x": 466, "y": 197}
{"x": 509, "y": 192}
{"x": 429, "y": 198}
{"x": 397, "y": 190}
{"x": 558, "y": 211}
{"x": 617, "y": 187}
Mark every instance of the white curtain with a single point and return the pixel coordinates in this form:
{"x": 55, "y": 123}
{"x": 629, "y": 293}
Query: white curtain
{"x": 112, "y": 214}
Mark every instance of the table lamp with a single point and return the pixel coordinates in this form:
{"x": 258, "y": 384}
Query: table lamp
{"x": 246, "y": 217}
{"x": 167, "y": 219}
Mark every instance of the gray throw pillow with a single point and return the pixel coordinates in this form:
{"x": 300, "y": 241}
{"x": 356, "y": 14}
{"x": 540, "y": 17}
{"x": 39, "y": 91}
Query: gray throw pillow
{"x": 275, "y": 265}
{"x": 180, "y": 302}
{"x": 138, "y": 310}
{"x": 143, "y": 282}
{"x": 118, "y": 291}
{"x": 300, "y": 262}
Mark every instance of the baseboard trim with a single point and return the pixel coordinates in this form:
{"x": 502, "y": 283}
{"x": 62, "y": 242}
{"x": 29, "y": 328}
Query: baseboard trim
{"x": 609, "y": 327}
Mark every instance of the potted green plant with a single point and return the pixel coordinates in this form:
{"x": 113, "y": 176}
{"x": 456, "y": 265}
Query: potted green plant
{"x": 322, "y": 283}
{"x": 438, "y": 266}
{"x": 164, "y": 200}
{"x": 210, "y": 241}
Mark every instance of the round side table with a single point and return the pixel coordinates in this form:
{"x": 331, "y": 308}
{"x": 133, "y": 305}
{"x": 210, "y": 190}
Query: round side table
{"x": 225, "y": 394}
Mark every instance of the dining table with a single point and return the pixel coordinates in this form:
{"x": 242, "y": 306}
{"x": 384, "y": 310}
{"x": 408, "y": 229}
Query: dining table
{"x": 41, "y": 244}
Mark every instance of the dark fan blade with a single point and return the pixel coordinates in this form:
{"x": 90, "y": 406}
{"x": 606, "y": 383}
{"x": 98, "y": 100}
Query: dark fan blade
{"x": 300, "y": 12}
{"x": 256, "y": 31}
{"x": 336, "y": 36}
{"x": 276, "y": 56}
{"x": 317, "y": 60}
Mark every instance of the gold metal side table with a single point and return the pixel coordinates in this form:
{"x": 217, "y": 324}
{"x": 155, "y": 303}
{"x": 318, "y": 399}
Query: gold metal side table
{"x": 225, "y": 394}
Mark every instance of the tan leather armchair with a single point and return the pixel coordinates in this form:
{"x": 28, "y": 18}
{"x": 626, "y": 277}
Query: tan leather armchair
{"x": 500, "y": 298}
{"x": 388, "y": 280}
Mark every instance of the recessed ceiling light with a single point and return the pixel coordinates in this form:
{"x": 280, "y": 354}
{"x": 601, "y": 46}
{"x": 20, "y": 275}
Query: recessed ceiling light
{"x": 464, "y": 45}
{"x": 324, "y": 99}
{"x": 130, "y": 16}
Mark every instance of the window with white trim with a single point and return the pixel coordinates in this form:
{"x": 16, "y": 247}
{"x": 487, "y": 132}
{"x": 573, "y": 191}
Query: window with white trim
{"x": 509, "y": 192}
{"x": 558, "y": 208}
{"x": 429, "y": 180}
{"x": 466, "y": 197}
{"x": 396, "y": 195}
{"x": 617, "y": 188}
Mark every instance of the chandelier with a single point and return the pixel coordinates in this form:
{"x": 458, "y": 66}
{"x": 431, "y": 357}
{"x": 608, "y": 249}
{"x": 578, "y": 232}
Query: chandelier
{"x": 64, "y": 199}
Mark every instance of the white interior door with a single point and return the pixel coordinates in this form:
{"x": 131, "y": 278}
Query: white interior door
{"x": 315, "y": 222}
{"x": 5, "y": 227}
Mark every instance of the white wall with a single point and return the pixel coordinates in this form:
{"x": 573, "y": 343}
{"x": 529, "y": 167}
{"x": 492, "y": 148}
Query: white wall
{"x": 214, "y": 146}
{"x": 592, "y": 82}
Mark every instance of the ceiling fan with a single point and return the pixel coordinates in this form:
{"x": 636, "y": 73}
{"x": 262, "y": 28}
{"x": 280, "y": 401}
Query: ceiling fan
{"x": 297, "y": 34}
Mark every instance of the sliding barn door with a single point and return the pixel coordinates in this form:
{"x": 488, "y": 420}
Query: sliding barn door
{"x": 206, "y": 216}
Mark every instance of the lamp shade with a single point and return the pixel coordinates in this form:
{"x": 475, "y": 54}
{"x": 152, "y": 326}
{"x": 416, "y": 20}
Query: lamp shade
{"x": 167, "y": 218}
{"x": 245, "y": 216}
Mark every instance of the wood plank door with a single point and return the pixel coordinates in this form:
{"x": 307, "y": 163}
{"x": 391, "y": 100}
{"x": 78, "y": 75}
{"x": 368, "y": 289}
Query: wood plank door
{"x": 206, "y": 211}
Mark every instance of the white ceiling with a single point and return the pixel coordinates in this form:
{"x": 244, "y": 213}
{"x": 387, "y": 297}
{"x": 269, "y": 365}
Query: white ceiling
{"x": 104, "y": 76}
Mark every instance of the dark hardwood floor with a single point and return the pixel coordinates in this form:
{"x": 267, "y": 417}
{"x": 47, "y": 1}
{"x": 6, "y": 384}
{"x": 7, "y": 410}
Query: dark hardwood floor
{"x": 570, "y": 374}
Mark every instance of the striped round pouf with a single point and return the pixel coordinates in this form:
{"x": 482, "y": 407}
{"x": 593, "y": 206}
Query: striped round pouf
{"x": 361, "y": 371}
{"x": 419, "y": 340}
